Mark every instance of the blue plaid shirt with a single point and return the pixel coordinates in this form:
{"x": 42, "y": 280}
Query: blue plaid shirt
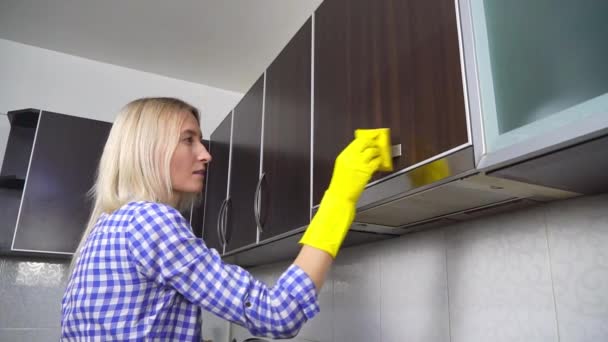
{"x": 143, "y": 275}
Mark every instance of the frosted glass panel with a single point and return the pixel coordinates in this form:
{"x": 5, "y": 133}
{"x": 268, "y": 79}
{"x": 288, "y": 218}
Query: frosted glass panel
{"x": 543, "y": 64}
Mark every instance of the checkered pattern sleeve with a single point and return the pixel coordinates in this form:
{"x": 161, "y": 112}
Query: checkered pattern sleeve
{"x": 165, "y": 250}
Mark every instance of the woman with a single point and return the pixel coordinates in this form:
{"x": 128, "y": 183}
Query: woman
{"x": 139, "y": 273}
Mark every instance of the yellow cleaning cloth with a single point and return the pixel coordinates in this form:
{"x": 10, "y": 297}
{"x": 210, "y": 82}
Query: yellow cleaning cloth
{"x": 383, "y": 138}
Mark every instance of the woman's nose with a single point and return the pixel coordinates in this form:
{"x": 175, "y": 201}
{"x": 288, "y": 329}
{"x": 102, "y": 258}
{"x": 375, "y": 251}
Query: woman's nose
{"x": 204, "y": 155}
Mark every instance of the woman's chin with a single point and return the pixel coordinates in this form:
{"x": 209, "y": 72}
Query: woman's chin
{"x": 190, "y": 190}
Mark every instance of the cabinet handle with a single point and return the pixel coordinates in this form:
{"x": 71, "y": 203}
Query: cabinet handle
{"x": 256, "y": 203}
{"x": 396, "y": 151}
{"x": 263, "y": 203}
{"x": 227, "y": 233}
{"x": 219, "y": 223}
{"x": 223, "y": 224}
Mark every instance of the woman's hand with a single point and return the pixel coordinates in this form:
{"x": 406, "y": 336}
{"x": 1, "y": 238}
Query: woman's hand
{"x": 353, "y": 169}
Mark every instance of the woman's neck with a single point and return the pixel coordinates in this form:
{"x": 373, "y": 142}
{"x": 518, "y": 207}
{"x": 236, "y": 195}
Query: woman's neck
{"x": 175, "y": 200}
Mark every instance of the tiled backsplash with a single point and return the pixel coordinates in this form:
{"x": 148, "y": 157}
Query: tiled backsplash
{"x": 499, "y": 279}
{"x": 539, "y": 274}
{"x": 30, "y": 298}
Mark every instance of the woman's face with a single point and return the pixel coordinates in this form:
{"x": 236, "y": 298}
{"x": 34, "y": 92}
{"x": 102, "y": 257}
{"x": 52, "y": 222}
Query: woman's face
{"x": 189, "y": 159}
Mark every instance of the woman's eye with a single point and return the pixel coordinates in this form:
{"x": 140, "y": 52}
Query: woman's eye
{"x": 189, "y": 140}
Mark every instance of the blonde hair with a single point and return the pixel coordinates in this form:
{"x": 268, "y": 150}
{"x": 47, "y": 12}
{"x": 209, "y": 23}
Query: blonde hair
{"x": 136, "y": 159}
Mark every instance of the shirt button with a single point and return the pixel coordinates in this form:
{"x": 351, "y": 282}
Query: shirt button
{"x": 247, "y": 304}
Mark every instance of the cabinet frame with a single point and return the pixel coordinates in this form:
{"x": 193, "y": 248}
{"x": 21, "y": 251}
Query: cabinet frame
{"x": 485, "y": 161}
{"x": 33, "y": 150}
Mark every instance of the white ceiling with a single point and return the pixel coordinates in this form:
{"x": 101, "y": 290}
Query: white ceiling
{"x": 223, "y": 43}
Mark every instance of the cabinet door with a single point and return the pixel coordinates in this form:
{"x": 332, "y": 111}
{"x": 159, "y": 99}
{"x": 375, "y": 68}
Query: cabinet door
{"x": 381, "y": 63}
{"x": 19, "y": 142}
{"x": 245, "y": 169}
{"x": 217, "y": 182}
{"x": 55, "y": 206}
{"x": 285, "y": 200}
{"x": 538, "y": 91}
{"x": 197, "y": 214}
{"x": 10, "y": 199}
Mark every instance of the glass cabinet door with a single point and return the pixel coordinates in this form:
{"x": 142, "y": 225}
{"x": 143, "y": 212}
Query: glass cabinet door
{"x": 542, "y": 66}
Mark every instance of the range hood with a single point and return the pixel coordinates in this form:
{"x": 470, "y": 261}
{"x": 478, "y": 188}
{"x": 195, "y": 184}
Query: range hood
{"x": 404, "y": 202}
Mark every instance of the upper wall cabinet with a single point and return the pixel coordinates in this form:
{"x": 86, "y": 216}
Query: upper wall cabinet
{"x": 389, "y": 64}
{"x": 538, "y": 75}
{"x": 49, "y": 167}
{"x": 217, "y": 186}
{"x": 245, "y": 168}
{"x": 14, "y": 171}
{"x": 285, "y": 187}
{"x": 464, "y": 144}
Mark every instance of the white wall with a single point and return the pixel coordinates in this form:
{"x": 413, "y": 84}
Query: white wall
{"x": 45, "y": 79}
{"x": 31, "y": 77}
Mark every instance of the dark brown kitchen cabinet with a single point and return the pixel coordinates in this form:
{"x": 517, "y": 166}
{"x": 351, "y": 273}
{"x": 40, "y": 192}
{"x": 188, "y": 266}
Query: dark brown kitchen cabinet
{"x": 60, "y": 162}
{"x": 216, "y": 185}
{"x": 383, "y": 63}
{"x": 245, "y": 167}
{"x": 20, "y": 140}
{"x": 285, "y": 189}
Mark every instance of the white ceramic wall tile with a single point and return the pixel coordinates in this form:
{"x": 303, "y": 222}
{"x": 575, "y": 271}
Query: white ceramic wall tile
{"x": 414, "y": 289}
{"x": 29, "y": 335}
{"x": 214, "y": 328}
{"x": 356, "y": 297}
{"x": 267, "y": 274}
{"x": 33, "y": 290}
{"x": 318, "y": 329}
{"x": 578, "y": 242}
{"x": 238, "y": 333}
{"x": 499, "y": 280}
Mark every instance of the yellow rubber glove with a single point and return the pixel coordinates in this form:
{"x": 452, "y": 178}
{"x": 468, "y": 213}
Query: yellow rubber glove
{"x": 352, "y": 170}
